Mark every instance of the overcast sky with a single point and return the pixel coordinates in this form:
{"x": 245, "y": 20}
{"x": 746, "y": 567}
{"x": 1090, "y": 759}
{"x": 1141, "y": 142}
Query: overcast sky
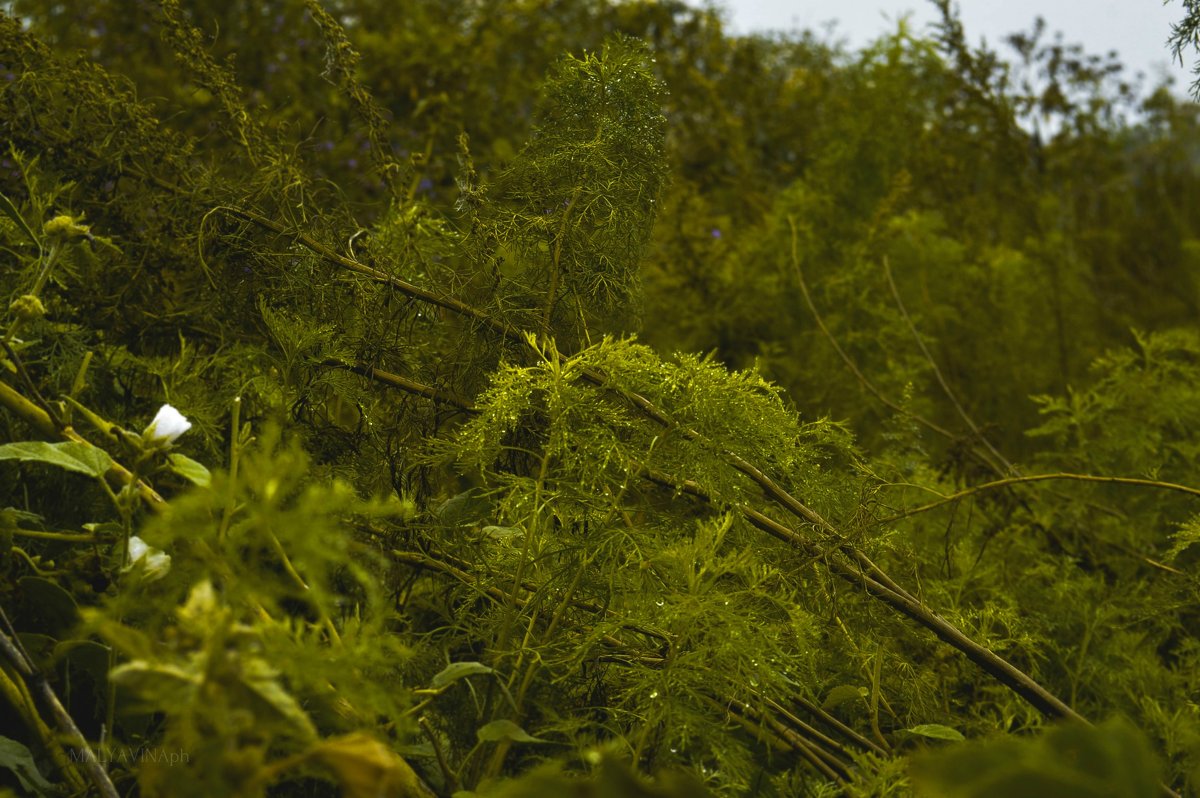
{"x": 1136, "y": 29}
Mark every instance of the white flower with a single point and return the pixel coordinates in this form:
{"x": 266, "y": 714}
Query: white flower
{"x": 155, "y": 562}
{"x": 168, "y": 425}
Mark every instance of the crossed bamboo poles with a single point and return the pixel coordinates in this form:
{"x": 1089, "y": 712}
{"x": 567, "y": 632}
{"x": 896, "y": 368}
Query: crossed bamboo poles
{"x": 853, "y": 565}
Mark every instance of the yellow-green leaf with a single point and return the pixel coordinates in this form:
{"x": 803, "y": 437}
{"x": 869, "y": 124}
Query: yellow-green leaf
{"x": 81, "y": 458}
{"x": 189, "y": 469}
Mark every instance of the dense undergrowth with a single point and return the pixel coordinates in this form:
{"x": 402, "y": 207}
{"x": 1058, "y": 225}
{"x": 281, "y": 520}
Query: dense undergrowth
{"x": 579, "y": 400}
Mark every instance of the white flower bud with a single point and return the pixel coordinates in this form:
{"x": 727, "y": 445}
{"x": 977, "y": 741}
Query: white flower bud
{"x": 154, "y": 562}
{"x": 168, "y": 425}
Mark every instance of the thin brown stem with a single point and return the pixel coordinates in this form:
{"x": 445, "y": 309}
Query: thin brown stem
{"x": 459, "y": 570}
{"x": 44, "y": 425}
{"x": 556, "y": 263}
{"x": 19, "y": 365}
{"x": 409, "y": 289}
{"x": 863, "y": 380}
{"x": 857, "y": 572}
{"x": 753, "y": 720}
{"x": 842, "y": 728}
{"x": 991, "y": 662}
{"x": 65, "y": 537}
{"x": 846, "y": 359}
{"x": 404, "y": 384}
{"x": 806, "y": 728}
{"x": 860, "y": 571}
{"x": 1001, "y": 483}
{"x": 66, "y": 725}
{"x": 937, "y": 372}
{"x": 452, "y": 783}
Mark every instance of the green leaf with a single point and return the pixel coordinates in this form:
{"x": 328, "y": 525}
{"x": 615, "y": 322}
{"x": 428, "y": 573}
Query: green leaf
{"x": 503, "y": 533}
{"x": 158, "y": 686}
{"x": 18, "y": 759}
{"x": 936, "y": 731}
{"x": 132, "y": 643}
{"x": 273, "y": 700}
{"x": 189, "y": 469}
{"x": 499, "y": 730}
{"x": 843, "y": 694}
{"x": 464, "y": 509}
{"x": 457, "y": 670}
{"x": 12, "y": 516}
{"x": 10, "y": 210}
{"x": 39, "y": 647}
{"x": 82, "y": 458}
{"x": 1068, "y": 761}
{"x": 367, "y": 768}
{"x": 46, "y": 606}
{"x": 85, "y": 658}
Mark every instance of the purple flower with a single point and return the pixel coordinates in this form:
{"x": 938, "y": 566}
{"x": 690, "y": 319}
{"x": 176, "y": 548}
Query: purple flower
{"x": 351, "y": 163}
{"x": 716, "y": 232}
{"x": 425, "y": 184}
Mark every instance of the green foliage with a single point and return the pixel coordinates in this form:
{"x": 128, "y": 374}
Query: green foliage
{"x": 1112, "y": 760}
{"x": 611, "y": 780}
{"x": 78, "y": 457}
{"x": 18, "y": 759}
{"x": 572, "y": 214}
{"x": 1186, "y": 34}
{"x": 882, "y": 473}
